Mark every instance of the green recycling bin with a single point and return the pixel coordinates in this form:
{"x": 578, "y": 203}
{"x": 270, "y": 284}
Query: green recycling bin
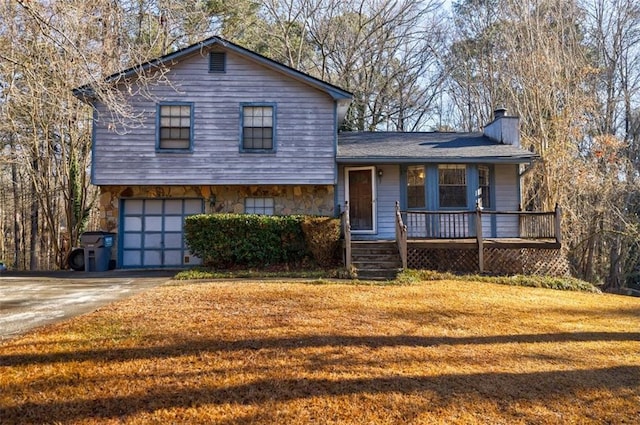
{"x": 97, "y": 250}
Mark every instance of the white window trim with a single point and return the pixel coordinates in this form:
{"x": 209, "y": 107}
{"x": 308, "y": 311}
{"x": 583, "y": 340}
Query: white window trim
{"x": 374, "y": 197}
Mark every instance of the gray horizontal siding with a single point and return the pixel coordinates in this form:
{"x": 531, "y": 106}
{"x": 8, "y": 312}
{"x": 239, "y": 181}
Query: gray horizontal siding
{"x": 304, "y": 134}
{"x": 507, "y": 199}
{"x": 388, "y": 194}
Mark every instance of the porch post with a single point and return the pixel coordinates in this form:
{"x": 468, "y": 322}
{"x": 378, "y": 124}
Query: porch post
{"x": 346, "y": 228}
{"x": 558, "y": 230}
{"x": 401, "y": 236}
{"x": 479, "y": 238}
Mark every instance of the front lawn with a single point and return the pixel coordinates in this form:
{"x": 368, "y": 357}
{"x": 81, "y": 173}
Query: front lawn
{"x": 297, "y": 353}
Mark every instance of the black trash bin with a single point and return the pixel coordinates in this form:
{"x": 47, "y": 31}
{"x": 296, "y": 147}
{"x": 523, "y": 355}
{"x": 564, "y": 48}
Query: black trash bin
{"x": 97, "y": 250}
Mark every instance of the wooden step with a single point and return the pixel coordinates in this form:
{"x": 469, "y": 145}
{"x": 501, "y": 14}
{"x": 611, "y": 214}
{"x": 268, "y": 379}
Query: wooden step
{"x": 377, "y": 274}
{"x": 376, "y": 260}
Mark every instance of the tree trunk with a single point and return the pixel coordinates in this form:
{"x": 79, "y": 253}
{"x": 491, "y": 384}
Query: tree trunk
{"x": 17, "y": 220}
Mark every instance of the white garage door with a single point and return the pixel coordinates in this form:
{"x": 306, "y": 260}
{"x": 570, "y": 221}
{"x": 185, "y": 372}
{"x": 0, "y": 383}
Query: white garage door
{"x": 152, "y": 233}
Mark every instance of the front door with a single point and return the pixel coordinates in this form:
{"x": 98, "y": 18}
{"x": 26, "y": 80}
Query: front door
{"x": 360, "y": 192}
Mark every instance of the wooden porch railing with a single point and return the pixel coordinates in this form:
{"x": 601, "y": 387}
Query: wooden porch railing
{"x": 346, "y": 231}
{"x": 439, "y": 224}
{"x": 401, "y": 236}
{"x": 469, "y": 225}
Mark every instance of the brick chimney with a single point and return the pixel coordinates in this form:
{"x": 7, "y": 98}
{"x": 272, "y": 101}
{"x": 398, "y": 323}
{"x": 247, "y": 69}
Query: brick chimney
{"x": 503, "y": 129}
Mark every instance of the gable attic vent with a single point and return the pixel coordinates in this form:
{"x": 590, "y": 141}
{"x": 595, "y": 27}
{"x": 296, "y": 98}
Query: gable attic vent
{"x": 217, "y": 62}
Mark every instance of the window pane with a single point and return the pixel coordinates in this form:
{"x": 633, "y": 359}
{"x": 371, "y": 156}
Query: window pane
{"x": 452, "y": 174}
{"x": 174, "y": 144}
{"x": 172, "y": 224}
{"x": 193, "y": 206}
{"x": 153, "y": 206}
{"x": 173, "y": 206}
{"x": 131, "y": 258}
{"x": 415, "y": 187}
{"x": 173, "y": 240}
{"x": 132, "y": 240}
{"x": 133, "y": 206}
{"x": 484, "y": 186}
{"x": 153, "y": 224}
{"x": 453, "y": 196}
{"x": 152, "y": 258}
{"x": 264, "y": 206}
{"x": 452, "y": 186}
{"x": 172, "y": 257}
{"x": 153, "y": 240}
{"x": 175, "y": 126}
{"x": 133, "y": 224}
{"x": 257, "y": 127}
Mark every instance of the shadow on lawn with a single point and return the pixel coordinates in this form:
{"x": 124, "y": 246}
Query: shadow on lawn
{"x": 189, "y": 347}
{"x": 442, "y": 390}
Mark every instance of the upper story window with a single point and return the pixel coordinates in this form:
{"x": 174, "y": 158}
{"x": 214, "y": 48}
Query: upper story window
{"x": 415, "y": 186}
{"x": 217, "y": 62}
{"x": 257, "y": 128}
{"x": 484, "y": 184}
{"x": 452, "y": 185}
{"x": 175, "y": 126}
{"x": 263, "y": 206}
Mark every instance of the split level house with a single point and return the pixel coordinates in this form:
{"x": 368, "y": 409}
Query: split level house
{"x": 228, "y": 130}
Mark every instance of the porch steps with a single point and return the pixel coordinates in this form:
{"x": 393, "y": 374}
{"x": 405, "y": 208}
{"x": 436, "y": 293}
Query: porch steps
{"x": 376, "y": 260}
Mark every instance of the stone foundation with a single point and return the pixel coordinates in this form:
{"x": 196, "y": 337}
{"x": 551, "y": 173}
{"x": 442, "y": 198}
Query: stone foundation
{"x": 312, "y": 200}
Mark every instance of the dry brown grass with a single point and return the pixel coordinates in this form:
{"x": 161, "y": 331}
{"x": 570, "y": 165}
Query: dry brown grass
{"x": 295, "y": 353}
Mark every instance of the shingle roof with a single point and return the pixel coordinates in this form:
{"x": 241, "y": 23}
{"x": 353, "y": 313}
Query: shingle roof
{"x": 381, "y": 146}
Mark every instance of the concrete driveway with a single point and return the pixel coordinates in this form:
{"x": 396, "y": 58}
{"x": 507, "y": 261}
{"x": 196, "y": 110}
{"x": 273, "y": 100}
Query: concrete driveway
{"x": 29, "y": 300}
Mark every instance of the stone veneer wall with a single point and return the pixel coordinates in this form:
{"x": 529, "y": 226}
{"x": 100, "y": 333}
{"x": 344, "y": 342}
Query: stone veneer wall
{"x": 312, "y": 200}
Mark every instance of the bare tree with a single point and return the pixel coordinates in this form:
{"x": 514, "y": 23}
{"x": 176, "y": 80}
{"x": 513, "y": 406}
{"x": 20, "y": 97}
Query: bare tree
{"x": 386, "y": 53}
{"x": 563, "y": 67}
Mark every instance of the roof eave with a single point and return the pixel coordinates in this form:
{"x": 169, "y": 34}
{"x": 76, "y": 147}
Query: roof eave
{"x": 435, "y": 160}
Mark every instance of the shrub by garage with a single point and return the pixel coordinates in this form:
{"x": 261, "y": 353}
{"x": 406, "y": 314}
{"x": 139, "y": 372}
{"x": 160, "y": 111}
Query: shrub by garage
{"x": 225, "y": 240}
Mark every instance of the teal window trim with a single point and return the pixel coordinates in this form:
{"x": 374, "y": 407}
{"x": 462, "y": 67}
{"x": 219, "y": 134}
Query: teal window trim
{"x": 473, "y": 183}
{"x": 159, "y": 106}
{"x": 274, "y": 123}
{"x": 403, "y": 187}
{"x": 432, "y": 187}
{"x": 492, "y": 185}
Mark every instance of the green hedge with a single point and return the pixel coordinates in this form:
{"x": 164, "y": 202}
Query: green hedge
{"x": 223, "y": 240}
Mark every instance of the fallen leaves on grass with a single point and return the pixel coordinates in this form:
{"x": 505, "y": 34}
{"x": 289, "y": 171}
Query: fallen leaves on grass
{"x": 284, "y": 352}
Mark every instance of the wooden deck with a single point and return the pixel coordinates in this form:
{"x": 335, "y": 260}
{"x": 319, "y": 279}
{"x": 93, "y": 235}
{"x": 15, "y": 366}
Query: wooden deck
{"x": 472, "y": 243}
{"x": 463, "y": 230}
